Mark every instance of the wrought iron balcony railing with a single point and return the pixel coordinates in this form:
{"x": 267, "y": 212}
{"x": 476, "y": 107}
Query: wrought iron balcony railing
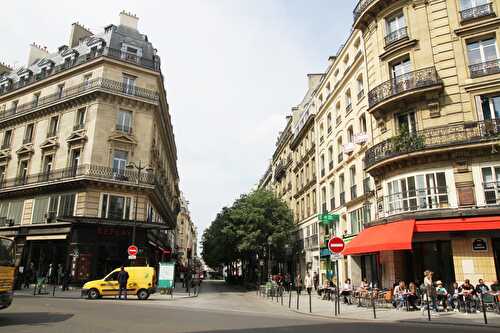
{"x": 360, "y": 8}
{"x": 123, "y": 128}
{"x": 421, "y": 78}
{"x": 396, "y": 35}
{"x": 492, "y": 193}
{"x": 484, "y": 68}
{"x": 477, "y": 12}
{"x": 101, "y": 84}
{"x": 414, "y": 200}
{"x": 105, "y": 52}
{"x": 434, "y": 137}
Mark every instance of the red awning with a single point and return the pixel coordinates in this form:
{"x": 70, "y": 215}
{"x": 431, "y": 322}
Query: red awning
{"x": 386, "y": 237}
{"x": 459, "y": 224}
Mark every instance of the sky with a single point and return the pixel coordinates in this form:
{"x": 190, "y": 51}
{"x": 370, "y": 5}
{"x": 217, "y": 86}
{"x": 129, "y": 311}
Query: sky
{"x": 233, "y": 70}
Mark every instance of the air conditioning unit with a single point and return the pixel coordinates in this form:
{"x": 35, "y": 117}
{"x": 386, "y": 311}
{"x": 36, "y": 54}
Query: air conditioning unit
{"x": 50, "y": 217}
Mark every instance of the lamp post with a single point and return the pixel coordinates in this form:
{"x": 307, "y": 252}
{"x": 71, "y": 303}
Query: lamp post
{"x": 269, "y": 243}
{"x": 139, "y": 167}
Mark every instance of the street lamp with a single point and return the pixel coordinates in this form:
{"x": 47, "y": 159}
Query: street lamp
{"x": 269, "y": 243}
{"x": 139, "y": 167}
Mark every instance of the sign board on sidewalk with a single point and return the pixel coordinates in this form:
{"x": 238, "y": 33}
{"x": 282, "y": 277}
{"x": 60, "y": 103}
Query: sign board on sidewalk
{"x": 336, "y": 245}
{"x": 166, "y": 275}
{"x": 336, "y": 256}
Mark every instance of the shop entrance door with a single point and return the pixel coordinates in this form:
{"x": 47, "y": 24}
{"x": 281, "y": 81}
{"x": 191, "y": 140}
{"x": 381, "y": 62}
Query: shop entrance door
{"x": 434, "y": 256}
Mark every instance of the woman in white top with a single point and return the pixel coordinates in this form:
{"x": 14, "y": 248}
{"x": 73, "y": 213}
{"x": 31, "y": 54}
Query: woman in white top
{"x": 308, "y": 281}
{"x": 347, "y": 291}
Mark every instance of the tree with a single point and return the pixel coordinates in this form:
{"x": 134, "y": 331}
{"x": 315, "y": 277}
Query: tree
{"x": 240, "y": 233}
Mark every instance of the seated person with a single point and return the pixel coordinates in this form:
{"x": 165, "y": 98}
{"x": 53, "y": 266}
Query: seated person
{"x": 454, "y": 297}
{"x": 442, "y": 295}
{"x": 481, "y": 287}
{"x": 468, "y": 293}
{"x": 495, "y": 286}
{"x": 412, "y": 296}
{"x": 347, "y": 291}
{"x": 399, "y": 295}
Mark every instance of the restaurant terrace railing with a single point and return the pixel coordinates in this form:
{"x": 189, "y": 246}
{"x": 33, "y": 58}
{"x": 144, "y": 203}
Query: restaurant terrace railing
{"x": 434, "y": 137}
{"x": 101, "y": 84}
{"x": 105, "y": 52}
{"x": 420, "y": 78}
{"x": 477, "y": 12}
{"x": 414, "y": 200}
{"x": 396, "y": 35}
{"x": 484, "y": 68}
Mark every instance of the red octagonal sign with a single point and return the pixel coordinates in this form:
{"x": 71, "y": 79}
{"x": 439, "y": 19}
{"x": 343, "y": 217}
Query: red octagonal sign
{"x": 132, "y": 250}
{"x": 336, "y": 245}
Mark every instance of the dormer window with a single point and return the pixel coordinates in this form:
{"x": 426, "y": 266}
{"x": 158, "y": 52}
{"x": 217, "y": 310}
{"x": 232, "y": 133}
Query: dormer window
{"x": 131, "y": 53}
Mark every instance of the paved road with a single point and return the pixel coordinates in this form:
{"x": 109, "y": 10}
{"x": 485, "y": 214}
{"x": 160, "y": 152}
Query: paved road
{"x": 217, "y": 309}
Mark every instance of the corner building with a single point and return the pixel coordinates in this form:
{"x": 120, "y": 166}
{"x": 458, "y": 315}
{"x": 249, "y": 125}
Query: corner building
{"x": 72, "y": 122}
{"x": 434, "y": 91}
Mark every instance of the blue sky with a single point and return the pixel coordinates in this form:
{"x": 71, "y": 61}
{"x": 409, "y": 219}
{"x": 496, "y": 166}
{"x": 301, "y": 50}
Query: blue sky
{"x": 233, "y": 70}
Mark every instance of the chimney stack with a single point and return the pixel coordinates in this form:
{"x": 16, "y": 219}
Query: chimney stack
{"x": 78, "y": 32}
{"x": 36, "y": 52}
{"x": 128, "y": 20}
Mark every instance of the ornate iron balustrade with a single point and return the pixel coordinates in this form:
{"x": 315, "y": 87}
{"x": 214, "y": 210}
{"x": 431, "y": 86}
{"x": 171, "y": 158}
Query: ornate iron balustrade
{"x": 434, "y": 137}
{"x": 414, "y": 200}
{"x": 91, "y": 85}
{"x": 396, "y": 35}
{"x": 477, "y": 12}
{"x": 420, "y": 78}
{"x": 81, "y": 171}
{"x": 105, "y": 52}
{"x": 360, "y": 8}
{"x": 484, "y": 68}
{"x": 492, "y": 193}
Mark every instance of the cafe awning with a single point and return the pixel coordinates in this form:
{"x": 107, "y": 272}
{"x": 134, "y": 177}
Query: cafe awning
{"x": 459, "y": 224}
{"x": 386, "y": 237}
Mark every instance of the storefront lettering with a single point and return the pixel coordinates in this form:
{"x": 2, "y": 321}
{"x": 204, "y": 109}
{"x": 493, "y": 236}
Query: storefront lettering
{"x": 112, "y": 232}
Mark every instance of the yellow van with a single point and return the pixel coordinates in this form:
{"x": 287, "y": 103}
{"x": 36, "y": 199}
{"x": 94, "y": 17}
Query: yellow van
{"x": 141, "y": 282}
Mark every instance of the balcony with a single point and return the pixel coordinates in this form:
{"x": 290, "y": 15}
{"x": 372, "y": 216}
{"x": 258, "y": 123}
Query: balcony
{"x": 78, "y": 127}
{"x": 396, "y": 36}
{"x": 97, "y": 84}
{"x": 473, "y": 13}
{"x": 413, "y": 201}
{"x": 484, "y": 68}
{"x": 492, "y": 193}
{"x": 447, "y": 136}
{"x": 410, "y": 84}
{"x": 106, "y": 52}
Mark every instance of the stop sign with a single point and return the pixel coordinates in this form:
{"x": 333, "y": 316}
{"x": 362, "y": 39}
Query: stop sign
{"x": 132, "y": 250}
{"x": 336, "y": 244}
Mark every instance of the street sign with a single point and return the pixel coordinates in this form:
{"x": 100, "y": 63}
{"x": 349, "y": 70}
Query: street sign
{"x": 328, "y": 217}
{"x": 336, "y": 244}
{"x": 132, "y": 250}
{"x": 166, "y": 275}
{"x": 336, "y": 256}
{"x": 132, "y": 257}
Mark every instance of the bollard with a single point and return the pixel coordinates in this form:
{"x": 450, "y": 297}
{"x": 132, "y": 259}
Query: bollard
{"x": 373, "y": 306}
{"x": 338, "y": 299}
{"x": 34, "y": 290}
{"x": 53, "y": 290}
{"x": 282, "y": 292}
{"x": 428, "y": 305}
{"x": 290, "y": 296}
{"x": 310, "y": 305}
{"x": 334, "y": 299}
{"x": 277, "y": 294}
{"x": 298, "y": 296}
{"x": 484, "y": 309}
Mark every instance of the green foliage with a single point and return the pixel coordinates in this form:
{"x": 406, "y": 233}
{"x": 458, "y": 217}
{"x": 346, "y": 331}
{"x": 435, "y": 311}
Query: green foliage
{"x": 241, "y": 232}
{"x": 407, "y": 141}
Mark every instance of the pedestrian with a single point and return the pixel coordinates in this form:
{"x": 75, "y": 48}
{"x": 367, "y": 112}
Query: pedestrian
{"x": 28, "y": 276}
{"x": 429, "y": 289}
{"x": 308, "y": 281}
{"x": 316, "y": 281}
{"x": 122, "y": 282}
{"x": 298, "y": 283}
{"x": 66, "y": 280}
{"x": 59, "y": 274}
{"x": 347, "y": 291}
{"x": 51, "y": 275}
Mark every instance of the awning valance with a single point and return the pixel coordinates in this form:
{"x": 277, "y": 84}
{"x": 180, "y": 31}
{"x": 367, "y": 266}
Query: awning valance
{"x": 459, "y": 224}
{"x": 386, "y": 237}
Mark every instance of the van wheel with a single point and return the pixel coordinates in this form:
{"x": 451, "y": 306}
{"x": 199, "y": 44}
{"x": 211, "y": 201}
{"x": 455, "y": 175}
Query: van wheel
{"x": 142, "y": 294}
{"x": 94, "y": 294}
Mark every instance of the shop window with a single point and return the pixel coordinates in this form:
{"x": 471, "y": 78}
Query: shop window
{"x": 115, "y": 207}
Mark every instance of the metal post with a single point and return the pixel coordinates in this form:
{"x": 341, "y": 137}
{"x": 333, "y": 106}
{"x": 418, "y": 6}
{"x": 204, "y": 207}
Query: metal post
{"x": 338, "y": 285}
{"x": 298, "y": 296}
{"x": 53, "y": 290}
{"x": 290, "y": 296}
{"x": 373, "y": 306}
{"x": 310, "y": 305}
{"x": 139, "y": 168}
{"x": 334, "y": 299}
{"x": 484, "y": 309}
{"x": 282, "y": 292}
{"x": 428, "y": 305}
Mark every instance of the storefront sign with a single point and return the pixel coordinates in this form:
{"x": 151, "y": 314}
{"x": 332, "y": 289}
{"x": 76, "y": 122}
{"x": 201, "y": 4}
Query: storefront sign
{"x": 480, "y": 245}
{"x": 112, "y": 232}
{"x": 166, "y": 275}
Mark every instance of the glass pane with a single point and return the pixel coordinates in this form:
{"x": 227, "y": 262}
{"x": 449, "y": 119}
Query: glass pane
{"x": 489, "y": 50}
{"x": 487, "y": 175}
{"x": 496, "y": 107}
{"x": 474, "y": 53}
{"x": 116, "y": 207}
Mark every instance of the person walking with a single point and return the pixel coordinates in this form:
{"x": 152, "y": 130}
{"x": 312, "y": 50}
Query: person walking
{"x": 59, "y": 274}
{"x": 429, "y": 289}
{"x": 65, "y": 280}
{"x": 298, "y": 283}
{"x": 122, "y": 282}
{"x": 28, "y": 275}
{"x": 308, "y": 281}
{"x": 316, "y": 281}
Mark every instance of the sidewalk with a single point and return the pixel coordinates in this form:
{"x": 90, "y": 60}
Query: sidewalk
{"x": 75, "y": 293}
{"x": 324, "y": 308}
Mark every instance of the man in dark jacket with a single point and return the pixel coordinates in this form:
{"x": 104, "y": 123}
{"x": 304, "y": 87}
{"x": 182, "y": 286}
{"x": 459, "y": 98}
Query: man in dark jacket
{"x": 122, "y": 282}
